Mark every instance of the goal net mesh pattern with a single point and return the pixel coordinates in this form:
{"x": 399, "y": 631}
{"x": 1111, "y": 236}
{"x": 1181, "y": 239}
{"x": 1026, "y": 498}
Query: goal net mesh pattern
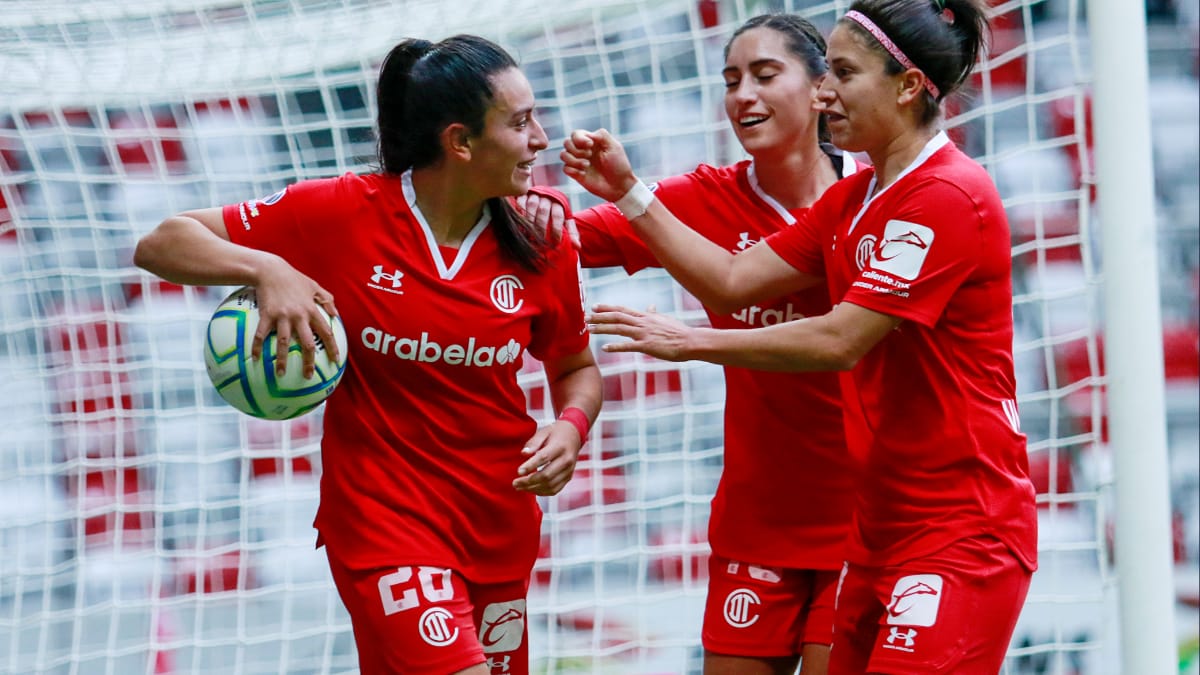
{"x": 146, "y": 527}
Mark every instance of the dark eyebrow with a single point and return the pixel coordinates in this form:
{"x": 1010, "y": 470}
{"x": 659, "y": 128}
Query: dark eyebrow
{"x": 522, "y": 112}
{"x": 754, "y": 65}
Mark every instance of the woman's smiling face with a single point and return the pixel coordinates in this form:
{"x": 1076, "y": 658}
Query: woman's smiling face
{"x": 768, "y": 92}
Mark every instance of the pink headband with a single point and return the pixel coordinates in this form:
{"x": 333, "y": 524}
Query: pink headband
{"x": 862, "y": 20}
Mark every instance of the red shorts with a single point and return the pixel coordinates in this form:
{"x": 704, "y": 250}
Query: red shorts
{"x": 951, "y": 612}
{"x": 417, "y": 620}
{"x": 766, "y": 611}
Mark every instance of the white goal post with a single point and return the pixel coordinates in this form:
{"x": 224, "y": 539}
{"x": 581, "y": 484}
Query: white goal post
{"x": 147, "y": 527}
{"x": 1134, "y": 348}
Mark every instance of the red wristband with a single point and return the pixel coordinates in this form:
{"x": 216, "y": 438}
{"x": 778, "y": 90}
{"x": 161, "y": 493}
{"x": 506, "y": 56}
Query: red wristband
{"x": 578, "y": 419}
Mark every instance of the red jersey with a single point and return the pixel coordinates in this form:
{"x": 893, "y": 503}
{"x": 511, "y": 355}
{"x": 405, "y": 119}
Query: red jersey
{"x": 786, "y": 491}
{"x": 423, "y": 436}
{"x": 933, "y": 405}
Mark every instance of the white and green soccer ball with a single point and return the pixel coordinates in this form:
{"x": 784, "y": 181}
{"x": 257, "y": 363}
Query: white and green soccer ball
{"x": 252, "y": 386}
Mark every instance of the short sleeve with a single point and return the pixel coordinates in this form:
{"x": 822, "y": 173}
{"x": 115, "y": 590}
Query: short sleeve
{"x": 928, "y": 248}
{"x": 559, "y": 329}
{"x": 606, "y": 239}
{"x": 289, "y": 221}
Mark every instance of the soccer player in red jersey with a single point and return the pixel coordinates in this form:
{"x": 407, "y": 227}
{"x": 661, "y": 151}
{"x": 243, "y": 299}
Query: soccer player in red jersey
{"x": 916, "y": 255}
{"x": 431, "y": 463}
{"x": 782, "y": 508}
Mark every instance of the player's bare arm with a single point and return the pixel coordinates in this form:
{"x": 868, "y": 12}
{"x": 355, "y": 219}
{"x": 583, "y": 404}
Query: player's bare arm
{"x": 834, "y": 341}
{"x": 551, "y": 453}
{"x": 721, "y": 280}
{"x": 193, "y": 248}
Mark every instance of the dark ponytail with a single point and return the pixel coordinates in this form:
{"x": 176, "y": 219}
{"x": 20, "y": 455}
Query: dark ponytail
{"x": 395, "y": 152}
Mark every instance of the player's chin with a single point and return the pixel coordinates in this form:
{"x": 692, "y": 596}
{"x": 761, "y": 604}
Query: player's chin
{"x": 841, "y": 134}
{"x": 750, "y": 138}
{"x": 522, "y": 179}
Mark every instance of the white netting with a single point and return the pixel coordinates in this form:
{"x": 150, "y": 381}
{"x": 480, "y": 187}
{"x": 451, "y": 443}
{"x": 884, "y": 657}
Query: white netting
{"x": 146, "y": 527}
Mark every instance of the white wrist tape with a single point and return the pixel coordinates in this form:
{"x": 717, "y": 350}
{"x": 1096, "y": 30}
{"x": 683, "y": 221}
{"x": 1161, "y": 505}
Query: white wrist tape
{"x": 635, "y": 202}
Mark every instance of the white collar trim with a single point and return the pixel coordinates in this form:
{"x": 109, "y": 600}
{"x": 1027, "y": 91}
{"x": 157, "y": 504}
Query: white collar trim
{"x": 435, "y": 251}
{"x": 936, "y": 143}
{"x": 849, "y": 166}
{"x": 752, "y": 176}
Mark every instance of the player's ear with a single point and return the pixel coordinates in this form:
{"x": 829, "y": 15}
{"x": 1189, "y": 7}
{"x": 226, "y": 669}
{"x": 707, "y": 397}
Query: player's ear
{"x": 911, "y": 85}
{"x": 456, "y": 141}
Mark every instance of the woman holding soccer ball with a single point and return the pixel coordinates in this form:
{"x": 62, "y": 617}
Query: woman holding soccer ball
{"x": 430, "y": 461}
{"x": 915, "y": 252}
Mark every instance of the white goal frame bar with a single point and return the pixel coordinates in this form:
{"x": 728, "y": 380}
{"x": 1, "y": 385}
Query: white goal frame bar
{"x": 1133, "y": 336}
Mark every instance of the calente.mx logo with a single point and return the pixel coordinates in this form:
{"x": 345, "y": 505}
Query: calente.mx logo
{"x": 392, "y": 278}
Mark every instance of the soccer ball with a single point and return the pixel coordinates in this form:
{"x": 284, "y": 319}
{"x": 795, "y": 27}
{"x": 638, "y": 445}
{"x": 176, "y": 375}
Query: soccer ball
{"x": 252, "y": 386}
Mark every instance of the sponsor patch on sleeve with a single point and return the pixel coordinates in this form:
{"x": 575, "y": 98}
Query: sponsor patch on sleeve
{"x": 902, "y": 251}
{"x": 249, "y": 209}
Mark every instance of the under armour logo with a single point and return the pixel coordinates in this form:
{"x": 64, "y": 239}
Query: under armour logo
{"x": 500, "y": 666}
{"x": 907, "y": 636}
{"x": 745, "y": 242}
{"x": 380, "y": 276}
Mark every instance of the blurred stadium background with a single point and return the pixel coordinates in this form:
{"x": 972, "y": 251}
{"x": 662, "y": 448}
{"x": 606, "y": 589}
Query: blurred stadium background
{"x": 145, "y": 527}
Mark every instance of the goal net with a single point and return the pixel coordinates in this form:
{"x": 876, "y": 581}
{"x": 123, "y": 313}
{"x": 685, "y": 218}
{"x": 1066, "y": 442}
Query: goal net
{"x": 146, "y": 527}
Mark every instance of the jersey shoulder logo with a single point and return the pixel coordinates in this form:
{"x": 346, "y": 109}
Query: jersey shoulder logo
{"x": 864, "y": 251}
{"x": 249, "y": 209}
{"x": 253, "y": 204}
{"x": 903, "y": 249}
